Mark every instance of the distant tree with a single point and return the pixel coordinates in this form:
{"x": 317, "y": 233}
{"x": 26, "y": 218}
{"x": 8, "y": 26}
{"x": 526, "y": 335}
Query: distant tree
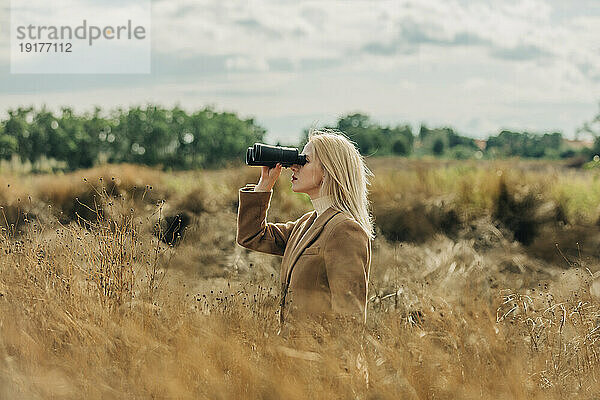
{"x": 17, "y": 127}
{"x": 172, "y": 138}
{"x": 229, "y": 138}
{"x": 596, "y": 147}
{"x": 423, "y": 132}
{"x": 591, "y": 128}
{"x": 437, "y": 141}
{"x": 371, "y": 138}
{"x": 400, "y": 147}
{"x": 461, "y": 152}
{"x": 525, "y": 144}
{"x": 438, "y": 147}
{"x": 149, "y": 135}
{"x": 8, "y": 144}
{"x": 86, "y": 137}
{"x": 360, "y": 129}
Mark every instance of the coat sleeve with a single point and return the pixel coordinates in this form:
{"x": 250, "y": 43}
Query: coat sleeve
{"x": 347, "y": 255}
{"x": 253, "y": 230}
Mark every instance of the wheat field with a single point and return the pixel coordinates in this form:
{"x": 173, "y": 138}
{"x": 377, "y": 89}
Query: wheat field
{"x": 126, "y": 282}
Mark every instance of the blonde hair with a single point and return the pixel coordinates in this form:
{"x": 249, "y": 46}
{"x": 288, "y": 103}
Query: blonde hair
{"x": 345, "y": 175}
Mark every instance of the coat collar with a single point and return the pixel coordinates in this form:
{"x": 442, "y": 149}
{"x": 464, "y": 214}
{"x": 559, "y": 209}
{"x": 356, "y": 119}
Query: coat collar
{"x": 308, "y": 235}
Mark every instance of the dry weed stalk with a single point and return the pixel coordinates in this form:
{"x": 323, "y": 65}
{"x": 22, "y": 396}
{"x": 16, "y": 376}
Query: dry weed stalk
{"x": 562, "y": 335}
{"x": 86, "y": 310}
{"x": 115, "y": 254}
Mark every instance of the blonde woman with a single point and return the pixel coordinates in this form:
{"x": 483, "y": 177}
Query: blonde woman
{"x": 326, "y": 252}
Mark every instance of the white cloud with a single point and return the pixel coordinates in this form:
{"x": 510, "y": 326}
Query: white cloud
{"x": 477, "y": 65}
{"x": 246, "y": 63}
{"x": 253, "y": 33}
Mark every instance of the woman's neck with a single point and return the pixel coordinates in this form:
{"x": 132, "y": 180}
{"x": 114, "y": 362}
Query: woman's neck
{"x": 322, "y": 203}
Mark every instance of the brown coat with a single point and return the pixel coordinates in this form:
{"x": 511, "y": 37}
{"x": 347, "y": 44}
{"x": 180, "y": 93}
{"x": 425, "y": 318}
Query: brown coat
{"x": 325, "y": 267}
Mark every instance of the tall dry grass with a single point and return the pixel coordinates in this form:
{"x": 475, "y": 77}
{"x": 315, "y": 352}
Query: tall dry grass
{"x": 94, "y": 304}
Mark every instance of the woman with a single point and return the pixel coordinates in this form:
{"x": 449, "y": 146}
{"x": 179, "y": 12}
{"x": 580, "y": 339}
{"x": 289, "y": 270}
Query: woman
{"x": 326, "y": 252}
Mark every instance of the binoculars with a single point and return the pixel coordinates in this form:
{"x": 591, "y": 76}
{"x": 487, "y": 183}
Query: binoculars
{"x": 269, "y": 156}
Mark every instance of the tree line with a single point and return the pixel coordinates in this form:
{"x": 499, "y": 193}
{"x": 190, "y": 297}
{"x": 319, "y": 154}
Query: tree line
{"x": 374, "y": 139}
{"x": 173, "y": 138}
{"x": 150, "y": 135}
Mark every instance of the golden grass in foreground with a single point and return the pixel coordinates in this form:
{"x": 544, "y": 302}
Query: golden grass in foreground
{"x": 112, "y": 312}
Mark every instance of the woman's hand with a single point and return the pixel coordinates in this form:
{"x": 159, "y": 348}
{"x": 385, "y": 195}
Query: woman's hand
{"x": 268, "y": 177}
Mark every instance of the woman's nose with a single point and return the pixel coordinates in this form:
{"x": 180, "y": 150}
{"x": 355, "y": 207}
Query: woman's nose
{"x": 295, "y": 167}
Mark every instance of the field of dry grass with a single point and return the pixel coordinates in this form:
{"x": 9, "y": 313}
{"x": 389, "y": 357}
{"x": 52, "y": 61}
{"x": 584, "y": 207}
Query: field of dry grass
{"x": 126, "y": 282}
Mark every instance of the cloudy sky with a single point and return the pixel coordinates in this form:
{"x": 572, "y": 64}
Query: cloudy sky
{"x": 476, "y": 65}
